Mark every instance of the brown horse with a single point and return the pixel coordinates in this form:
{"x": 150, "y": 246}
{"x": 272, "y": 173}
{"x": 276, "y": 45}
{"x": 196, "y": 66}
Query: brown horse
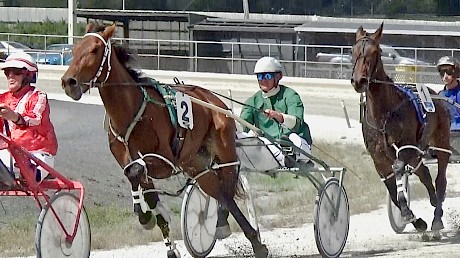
{"x": 134, "y": 133}
{"x": 392, "y": 133}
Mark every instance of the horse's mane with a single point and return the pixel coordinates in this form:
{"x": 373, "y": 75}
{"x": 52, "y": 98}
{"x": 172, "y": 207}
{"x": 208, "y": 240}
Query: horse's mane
{"x": 124, "y": 56}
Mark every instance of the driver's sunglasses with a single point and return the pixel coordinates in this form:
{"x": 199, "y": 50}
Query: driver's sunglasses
{"x": 15, "y": 71}
{"x": 265, "y": 76}
{"x": 449, "y": 71}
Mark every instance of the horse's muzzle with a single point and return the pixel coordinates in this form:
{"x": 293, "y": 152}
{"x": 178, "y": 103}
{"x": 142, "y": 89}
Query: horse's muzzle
{"x": 71, "y": 87}
{"x": 70, "y": 82}
{"x": 360, "y": 85}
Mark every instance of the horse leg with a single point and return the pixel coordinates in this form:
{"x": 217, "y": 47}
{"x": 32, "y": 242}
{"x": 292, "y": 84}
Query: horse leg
{"x": 140, "y": 206}
{"x": 419, "y": 224}
{"x": 424, "y": 175}
{"x": 260, "y": 250}
{"x": 399, "y": 170}
{"x": 147, "y": 206}
{"x": 441, "y": 182}
{"x": 223, "y": 228}
{"x": 390, "y": 183}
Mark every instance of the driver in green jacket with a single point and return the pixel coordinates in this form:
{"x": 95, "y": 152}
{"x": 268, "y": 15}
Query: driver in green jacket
{"x": 282, "y": 117}
{"x": 283, "y": 110}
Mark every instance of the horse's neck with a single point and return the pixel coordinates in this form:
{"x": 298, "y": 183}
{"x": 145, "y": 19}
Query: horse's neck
{"x": 382, "y": 99}
{"x": 121, "y": 101}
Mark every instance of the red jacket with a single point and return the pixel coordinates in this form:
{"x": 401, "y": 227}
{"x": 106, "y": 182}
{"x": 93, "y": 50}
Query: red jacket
{"x": 37, "y": 133}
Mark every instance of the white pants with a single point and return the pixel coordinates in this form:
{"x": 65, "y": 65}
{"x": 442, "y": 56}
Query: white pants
{"x": 275, "y": 149}
{"x": 6, "y": 158}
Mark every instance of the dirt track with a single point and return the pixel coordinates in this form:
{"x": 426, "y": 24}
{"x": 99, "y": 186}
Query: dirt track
{"x": 370, "y": 235}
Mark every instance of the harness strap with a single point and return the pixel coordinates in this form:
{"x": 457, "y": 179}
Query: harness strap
{"x": 131, "y": 126}
{"x": 107, "y": 56}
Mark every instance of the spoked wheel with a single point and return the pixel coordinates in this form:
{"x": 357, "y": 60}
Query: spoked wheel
{"x": 331, "y": 228}
{"x": 198, "y": 221}
{"x": 250, "y": 204}
{"x": 50, "y": 239}
{"x": 394, "y": 214}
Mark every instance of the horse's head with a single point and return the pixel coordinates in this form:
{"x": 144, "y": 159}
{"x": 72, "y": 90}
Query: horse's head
{"x": 366, "y": 58}
{"x": 91, "y": 57}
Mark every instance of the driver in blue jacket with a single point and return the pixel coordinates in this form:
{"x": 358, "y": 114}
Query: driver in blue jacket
{"x": 449, "y": 69}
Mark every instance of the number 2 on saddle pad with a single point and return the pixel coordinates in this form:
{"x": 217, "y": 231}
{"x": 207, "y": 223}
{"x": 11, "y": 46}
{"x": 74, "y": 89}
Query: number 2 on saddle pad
{"x": 184, "y": 110}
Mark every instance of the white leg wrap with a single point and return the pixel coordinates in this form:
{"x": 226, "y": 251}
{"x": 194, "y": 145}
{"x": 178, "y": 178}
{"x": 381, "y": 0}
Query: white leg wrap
{"x": 140, "y": 199}
{"x": 401, "y": 188}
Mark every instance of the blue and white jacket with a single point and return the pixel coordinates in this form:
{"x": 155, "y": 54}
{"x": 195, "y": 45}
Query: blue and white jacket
{"x": 454, "y": 95}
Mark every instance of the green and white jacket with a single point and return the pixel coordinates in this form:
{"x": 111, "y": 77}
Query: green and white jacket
{"x": 286, "y": 101}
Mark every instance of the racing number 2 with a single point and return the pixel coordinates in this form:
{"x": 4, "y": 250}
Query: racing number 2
{"x": 184, "y": 110}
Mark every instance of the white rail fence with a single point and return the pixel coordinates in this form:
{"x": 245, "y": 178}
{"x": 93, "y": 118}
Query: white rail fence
{"x": 408, "y": 65}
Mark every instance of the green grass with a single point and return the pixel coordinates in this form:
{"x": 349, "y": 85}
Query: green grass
{"x": 284, "y": 201}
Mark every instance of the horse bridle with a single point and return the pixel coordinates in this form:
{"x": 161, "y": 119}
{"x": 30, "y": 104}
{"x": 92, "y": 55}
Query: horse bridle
{"x": 366, "y": 40}
{"x": 106, "y": 56}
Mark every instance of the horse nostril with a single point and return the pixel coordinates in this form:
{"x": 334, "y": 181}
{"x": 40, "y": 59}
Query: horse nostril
{"x": 71, "y": 82}
{"x": 362, "y": 80}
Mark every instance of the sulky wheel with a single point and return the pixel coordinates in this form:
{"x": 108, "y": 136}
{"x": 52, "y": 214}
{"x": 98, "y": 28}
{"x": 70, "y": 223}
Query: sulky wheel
{"x": 198, "y": 221}
{"x": 394, "y": 214}
{"x": 331, "y": 228}
{"x": 250, "y": 204}
{"x": 50, "y": 239}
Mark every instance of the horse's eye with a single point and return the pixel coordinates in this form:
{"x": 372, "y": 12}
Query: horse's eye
{"x": 93, "y": 50}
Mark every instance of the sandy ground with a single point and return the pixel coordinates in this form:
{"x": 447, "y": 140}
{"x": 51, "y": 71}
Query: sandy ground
{"x": 370, "y": 234}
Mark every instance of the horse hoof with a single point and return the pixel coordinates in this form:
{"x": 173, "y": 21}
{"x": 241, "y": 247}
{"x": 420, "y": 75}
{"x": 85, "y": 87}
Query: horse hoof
{"x": 420, "y": 225}
{"x": 223, "y": 232}
{"x": 147, "y": 220}
{"x": 437, "y": 236}
{"x": 437, "y": 225}
{"x": 409, "y": 218}
{"x": 174, "y": 253}
{"x": 261, "y": 251}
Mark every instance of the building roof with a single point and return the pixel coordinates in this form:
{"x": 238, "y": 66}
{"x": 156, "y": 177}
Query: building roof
{"x": 270, "y": 23}
{"x": 391, "y": 26}
{"x": 241, "y": 25}
{"x": 139, "y": 15}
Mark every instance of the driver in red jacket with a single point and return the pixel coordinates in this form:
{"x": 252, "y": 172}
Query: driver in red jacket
{"x": 25, "y": 112}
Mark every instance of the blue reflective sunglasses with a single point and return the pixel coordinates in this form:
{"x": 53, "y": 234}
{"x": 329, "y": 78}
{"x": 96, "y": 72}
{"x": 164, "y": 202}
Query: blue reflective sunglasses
{"x": 265, "y": 76}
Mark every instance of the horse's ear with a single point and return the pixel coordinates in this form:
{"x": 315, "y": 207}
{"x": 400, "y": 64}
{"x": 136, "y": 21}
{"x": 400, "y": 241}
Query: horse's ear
{"x": 109, "y": 31}
{"x": 360, "y": 33}
{"x": 89, "y": 27}
{"x": 378, "y": 33}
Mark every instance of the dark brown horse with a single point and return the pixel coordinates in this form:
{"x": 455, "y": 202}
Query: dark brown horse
{"x": 134, "y": 133}
{"x": 390, "y": 124}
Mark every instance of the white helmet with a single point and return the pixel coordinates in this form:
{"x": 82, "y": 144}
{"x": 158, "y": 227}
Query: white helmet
{"x": 268, "y": 65}
{"x": 20, "y": 60}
